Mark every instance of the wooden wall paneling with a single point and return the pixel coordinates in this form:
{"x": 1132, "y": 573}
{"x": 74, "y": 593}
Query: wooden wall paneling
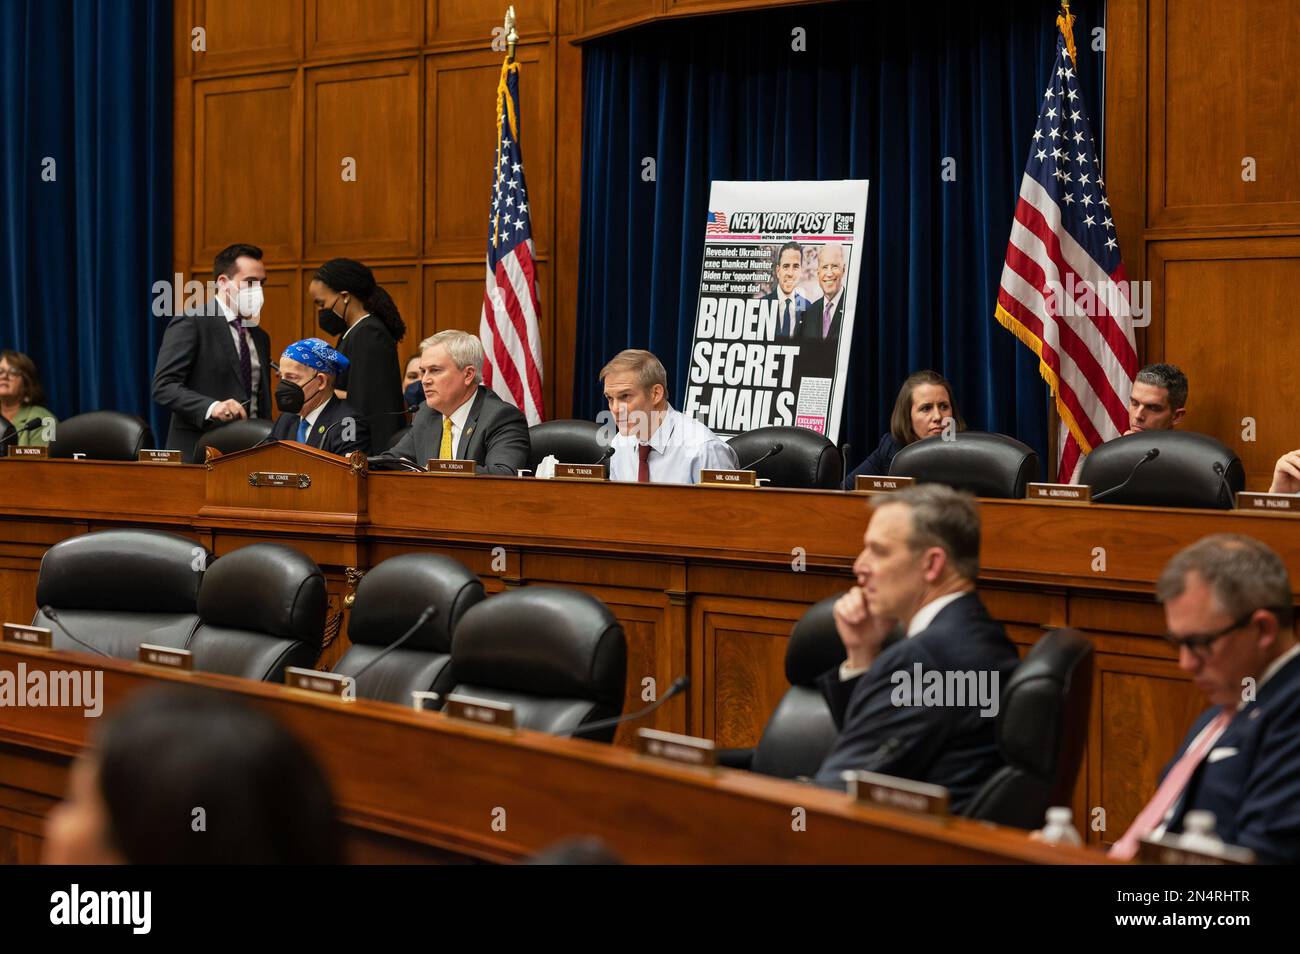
{"x": 348, "y": 28}
{"x": 470, "y": 23}
{"x": 242, "y": 34}
{"x": 453, "y": 297}
{"x": 248, "y": 165}
{"x": 281, "y": 314}
{"x": 606, "y": 15}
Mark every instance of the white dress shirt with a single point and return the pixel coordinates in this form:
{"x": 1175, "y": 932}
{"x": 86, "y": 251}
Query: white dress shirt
{"x": 793, "y": 305}
{"x": 235, "y": 331}
{"x": 921, "y": 620}
{"x": 457, "y": 418}
{"x": 681, "y": 448}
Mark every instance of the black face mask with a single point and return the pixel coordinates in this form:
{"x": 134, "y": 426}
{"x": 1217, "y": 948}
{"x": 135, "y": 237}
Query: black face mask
{"x": 289, "y": 397}
{"x": 331, "y": 323}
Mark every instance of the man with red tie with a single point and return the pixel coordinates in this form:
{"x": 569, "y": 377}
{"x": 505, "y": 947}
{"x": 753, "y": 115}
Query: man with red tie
{"x": 1228, "y": 607}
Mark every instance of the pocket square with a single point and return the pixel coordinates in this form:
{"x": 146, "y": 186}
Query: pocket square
{"x": 1218, "y": 755}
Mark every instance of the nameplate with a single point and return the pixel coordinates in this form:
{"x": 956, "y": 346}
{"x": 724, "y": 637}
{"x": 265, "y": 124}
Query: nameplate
{"x": 882, "y": 484}
{"x": 267, "y": 478}
{"x": 22, "y": 635}
{"x": 480, "y": 711}
{"x": 320, "y": 683}
{"x": 160, "y": 457}
{"x": 1168, "y": 852}
{"x": 580, "y": 471}
{"x": 729, "y": 478}
{"x": 1275, "y": 503}
{"x": 422, "y": 701}
{"x": 166, "y": 656}
{"x": 1061, "y": 493}
{"x": 38, "y": 452}
{"x": 452, "y": 468}
{"x": 900, "y": 794}
{"x": 682, "y": 749}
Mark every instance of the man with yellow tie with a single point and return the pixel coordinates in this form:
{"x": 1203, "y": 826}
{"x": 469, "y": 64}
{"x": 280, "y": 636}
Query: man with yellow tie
{"x": 461, "y": 420}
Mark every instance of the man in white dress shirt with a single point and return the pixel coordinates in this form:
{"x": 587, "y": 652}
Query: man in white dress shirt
{"x": 655, "y": 443}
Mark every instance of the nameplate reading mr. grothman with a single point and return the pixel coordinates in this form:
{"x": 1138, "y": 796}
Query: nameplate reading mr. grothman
{"x": 682, "y": 749}
{"x": 166, "y": 656}
{"x": 580, "y": 471}
{"x": 729, "y": 478}
{"x": 37, "y": 452}
{"x": 268, "y": 478}
{"x": 882, "y": 484}
{"x": 27, "y": 635}
{"x": 451, "y": 468}
{"x": 159, "y": 457}
{"x": 480, "y": 711}
{"x": 902, "y": 794}
{"x": 1062, "y": 493}
{"x": 1277, "y": 503}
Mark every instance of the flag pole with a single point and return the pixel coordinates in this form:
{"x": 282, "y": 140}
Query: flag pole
{"x": 511, "y": 36}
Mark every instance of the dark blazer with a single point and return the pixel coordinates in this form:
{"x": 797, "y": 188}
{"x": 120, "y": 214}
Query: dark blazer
{"x": 495, "y": 436}
{"x": 198, "y": 364}
{"x": 1251, "y": 778}
{"x": 877, "y": 462}
{"x": 334, "y": 411}
{"x": 953, "y": 746}
{"x": 373, "y": 380}
{"x": 810, "y": 325}
{"x": 800, "y": 306}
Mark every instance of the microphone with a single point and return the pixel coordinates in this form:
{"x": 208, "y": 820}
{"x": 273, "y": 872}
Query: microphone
{"x": 366, "y": 417}
{"x": 27, "y": 428}
{"x": 428, "y": 611}
{"x": 1152, "y": 454}
{"x": 605, "y": 456}
{"x": 54, "y": 618}
{"x": 679, "y": 684}
{"x": 1223, "y": 483}
{"x": 844, "y": 463}
{"x": 772, "y": 451}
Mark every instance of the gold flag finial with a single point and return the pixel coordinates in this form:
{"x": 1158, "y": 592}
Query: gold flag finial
{"x": 1065, "y": 20}
{"x": 511, "y": 36}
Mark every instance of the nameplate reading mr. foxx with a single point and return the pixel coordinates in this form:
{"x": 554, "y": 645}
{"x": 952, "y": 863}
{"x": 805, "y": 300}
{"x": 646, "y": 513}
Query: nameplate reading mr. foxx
{"x": 451, "y": 468}
{"x": 321, "y": 683}
{"x": 480, "y": 711}
{"x": 729, "y": 478}
{"x": 901, "y": 794}
{"x": 882, "y": 484}
{"x": 22, "y": 635}
{"x": 1061, "y": 493}
{"x": 159, "y": 457}
{"x": 580, "y": 471}
{"x": 29, "y": 452}
{"x": 682, "y": 749}
{"x": 1276, "y": 503}
{"x": 166, "y": 656}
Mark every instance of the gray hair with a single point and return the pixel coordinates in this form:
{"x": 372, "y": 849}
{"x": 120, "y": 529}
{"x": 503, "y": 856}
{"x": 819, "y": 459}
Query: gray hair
{"x": 465, "y": 349}
{"x": 1167, "y": 376}
{"x": 1243, "y": 574}
{"x": 945, "y": 518}
{"x": 648, "y": 369}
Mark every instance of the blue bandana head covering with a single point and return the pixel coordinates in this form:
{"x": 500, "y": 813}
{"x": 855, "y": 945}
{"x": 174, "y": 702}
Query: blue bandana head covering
{"x": 318, "y": 355}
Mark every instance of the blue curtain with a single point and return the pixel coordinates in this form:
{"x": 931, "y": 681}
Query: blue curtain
{"x": 884, "y": 92}
{"x": 85, "y": 195}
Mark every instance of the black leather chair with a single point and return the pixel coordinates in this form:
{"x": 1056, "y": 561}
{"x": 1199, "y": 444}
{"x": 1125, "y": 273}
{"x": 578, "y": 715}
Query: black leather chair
{"x": 235, "y": 436}
{"x": 806, "y": 458}
{"x": 571, "y": 441}
{"x": 801, "y": 731}
{"x": 7, "y": 434}
{"x": 1042, "y": 724}
{"x": 116, "y": 589}
{"x": 558, "y": 656}
{"x": 101, "y": 435}
{"x": 1183, "y": 475}
{"x": 397, "y": 436}
{"x": 261, "y": 608}
{"x": 390, "y": 598}
{"x": 987, "y": 465}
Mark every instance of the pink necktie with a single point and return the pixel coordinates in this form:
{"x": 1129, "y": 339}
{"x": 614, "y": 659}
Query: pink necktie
{"x": 1170, "y": 789}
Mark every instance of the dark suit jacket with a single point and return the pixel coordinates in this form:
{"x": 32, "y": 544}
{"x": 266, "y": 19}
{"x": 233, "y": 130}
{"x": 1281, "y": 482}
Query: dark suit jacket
{"x": 877, "y": 462}
{"x": 495, "y": 436}
{"x": 800, "y": 306}
{"x": 810, "y": 325}
{"x": 1251, "y": 778}
{"x": 198, "y": 364}
{"x": 373, "y": 380}
{"x": 334, "y": 411}
{"x": 947, "y": 745}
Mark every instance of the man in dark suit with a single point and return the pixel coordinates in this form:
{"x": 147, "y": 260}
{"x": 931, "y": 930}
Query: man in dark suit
{"x": 461, "y": 419}
{"x": 913, "y": 621}
{"x": 821, "y": 319}
{"x": 309, "y": 412}
{"x": 1228, "y": 609}
{"x": 214, "y": 366}
{"x": 791, "y": 305}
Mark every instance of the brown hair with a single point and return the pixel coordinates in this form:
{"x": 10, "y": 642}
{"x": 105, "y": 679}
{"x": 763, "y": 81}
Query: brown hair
{"x": 33, "y": 393}
{"x": 944, "y": 518}
{"x": 900, "y": 422}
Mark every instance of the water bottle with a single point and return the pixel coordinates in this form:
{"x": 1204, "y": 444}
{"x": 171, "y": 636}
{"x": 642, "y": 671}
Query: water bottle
{"x": 1198, "y": 833}
{"x": 1059, "y": 829}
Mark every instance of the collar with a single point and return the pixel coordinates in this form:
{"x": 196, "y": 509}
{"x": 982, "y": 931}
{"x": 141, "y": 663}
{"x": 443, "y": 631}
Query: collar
{"x": 354, "y": 324}
{"x": 461, "y": 414}
{"x": 1277, "y": 664}
{"x": 829, "y": 303}
{"x": 663, "y": 435}
{"x": 311, "y": 418}
{"x": 225, "y": 310}
{"x": 925, "y": 615}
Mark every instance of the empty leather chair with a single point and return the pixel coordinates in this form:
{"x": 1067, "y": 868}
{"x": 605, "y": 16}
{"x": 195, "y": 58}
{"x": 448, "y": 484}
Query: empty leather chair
{"x": 571, "y": 441}
{"x": 558, "y": 656}
{"x": 1183, "y": 474}
{"x": 390, "y": 599}
{"x": 261, "y": 608}
{"x": 806, "y": 459}
{"x": 987, "y": 465}
{"x": 101, "y": 435}
{"x": 235, "y": 436}
{"x": 116, "y": 589}
{"x": 1042, "y": 724}
{"x": 801, "y": 730}
{"x": 397, "y": 436}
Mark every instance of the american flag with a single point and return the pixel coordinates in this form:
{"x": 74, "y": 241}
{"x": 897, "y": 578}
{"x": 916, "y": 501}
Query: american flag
{"x": 717, "y": 223}
{"x": 1063, "y": 234}
{"x": 509, "y": 324}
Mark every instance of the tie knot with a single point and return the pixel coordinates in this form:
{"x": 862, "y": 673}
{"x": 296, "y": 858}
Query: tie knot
{"x": 643, "y": 452}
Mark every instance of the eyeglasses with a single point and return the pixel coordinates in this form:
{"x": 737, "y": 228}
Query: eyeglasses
{"x": 1199, "y": 645}
{"x": 10, "y": 373}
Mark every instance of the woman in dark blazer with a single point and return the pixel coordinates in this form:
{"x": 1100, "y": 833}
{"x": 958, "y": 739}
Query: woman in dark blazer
{"x": 924, "y": 402}
{"x": 357, "y": 309}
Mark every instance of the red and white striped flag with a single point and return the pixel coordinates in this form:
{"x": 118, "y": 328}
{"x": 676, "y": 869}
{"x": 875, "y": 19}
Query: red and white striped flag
{"x": 509, "y": 323}
{"x": 1064, "y": 291}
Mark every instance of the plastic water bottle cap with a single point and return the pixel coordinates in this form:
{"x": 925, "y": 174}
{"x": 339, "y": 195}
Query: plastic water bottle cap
{"x": 1199, "y": 822}
{"x": 1060, "y": 815}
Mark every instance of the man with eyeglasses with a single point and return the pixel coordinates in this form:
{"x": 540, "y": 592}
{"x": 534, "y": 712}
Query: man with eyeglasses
{"x": 1228, "y": 607}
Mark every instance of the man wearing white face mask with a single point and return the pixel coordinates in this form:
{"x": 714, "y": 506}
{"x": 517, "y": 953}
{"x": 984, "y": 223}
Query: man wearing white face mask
{"x": 214, "y": 367}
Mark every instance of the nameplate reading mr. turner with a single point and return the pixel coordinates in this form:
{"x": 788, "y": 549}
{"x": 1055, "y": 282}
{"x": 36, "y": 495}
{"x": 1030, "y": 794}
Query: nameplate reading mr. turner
{"x": 451, "y": 468}
{"x": 15, "y": 451}
{"x": 1066, "y": 493}
{"x": 267, "y": 478}
{"x": 27, "y": 635}
{"x": 580, "y": 471}
{"x": 480, "y": 711}
{"x": 1277, "y": 503}
{"x": 166, "y": 656}
{"x": 159, "y": 457}
{"x": 902, "y": 794}
{"x": 683, "y": 749}
{"x": 882, "y": 484}
{"x": 729, "y": 478}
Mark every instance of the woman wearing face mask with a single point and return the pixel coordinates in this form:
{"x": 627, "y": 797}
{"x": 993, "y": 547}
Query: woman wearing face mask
{"x": 925, "y": 403}
{"x": 354, "y": 307}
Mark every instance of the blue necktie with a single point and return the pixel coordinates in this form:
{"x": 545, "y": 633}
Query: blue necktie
{"x": 303, "y": 428}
